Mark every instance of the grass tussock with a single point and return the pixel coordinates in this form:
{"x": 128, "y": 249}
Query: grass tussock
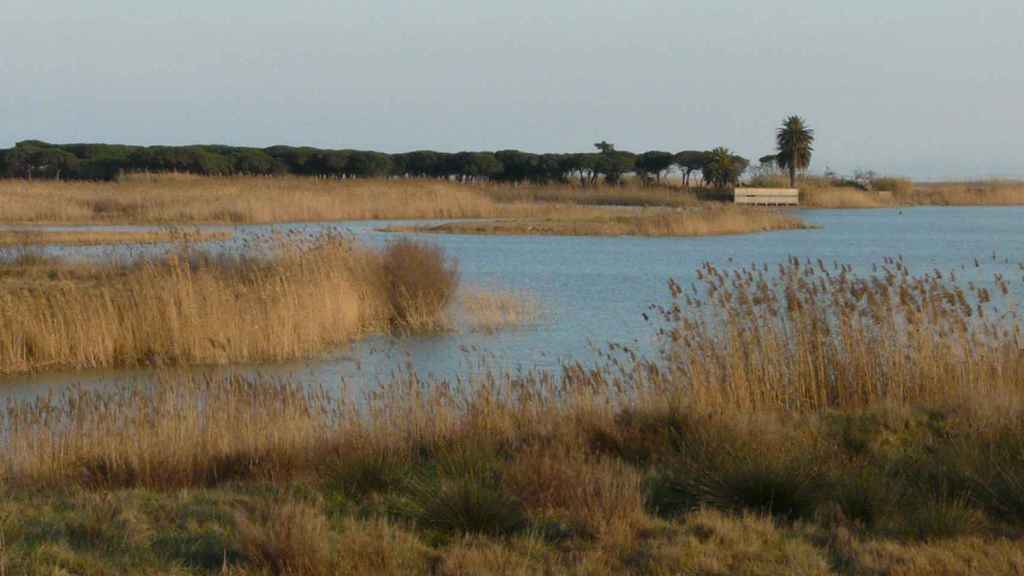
{"x": 707, "y": 221}
{"x": 287, "y": 299}
{"x": 796, "y": 445}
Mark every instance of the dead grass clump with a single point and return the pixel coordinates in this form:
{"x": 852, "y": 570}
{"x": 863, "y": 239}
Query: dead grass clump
{"x": 489, "y": 311}
{"x": 293, "y": 538}
{"x": 951, "y": 557}
{"x": 709, "y": 542}
{"x": 596, "y": 496}
{"x": 376, "y": 546}
{"x": 518, "y": 556}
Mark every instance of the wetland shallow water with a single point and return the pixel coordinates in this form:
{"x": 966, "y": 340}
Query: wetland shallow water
{"x": 595, "y": 290}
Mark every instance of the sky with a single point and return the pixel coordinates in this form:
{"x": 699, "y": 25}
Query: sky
{"x": 930, "y": 89}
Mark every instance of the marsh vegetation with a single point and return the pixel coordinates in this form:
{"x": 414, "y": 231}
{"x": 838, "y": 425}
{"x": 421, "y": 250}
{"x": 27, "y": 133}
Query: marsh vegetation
{"x": 282, "y": 298}
{"x": 707, "y": 221}
{"x": 806, "y": 420}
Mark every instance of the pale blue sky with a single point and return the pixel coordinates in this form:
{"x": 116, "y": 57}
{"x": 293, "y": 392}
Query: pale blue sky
{"x": 926, "y": 88}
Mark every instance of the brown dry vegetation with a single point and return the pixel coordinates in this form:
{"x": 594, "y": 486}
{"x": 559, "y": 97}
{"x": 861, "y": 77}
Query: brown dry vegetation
{"x": 809, "y": 421}
{"x": 491, "y": 310}
{"x": 575, "y": 221}
{"x": 287, "y": 298}
{"x": 86, "y": 237}
{"x": 179, "y": 198}
{"x": 818, "y": 193}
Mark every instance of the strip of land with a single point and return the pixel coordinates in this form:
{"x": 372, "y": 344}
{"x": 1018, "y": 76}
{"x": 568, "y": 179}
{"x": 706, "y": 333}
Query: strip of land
{"x": 187, "y": 199}
{"x": 86, "y": 237}
{"x": 900, "y": 193}
{"x": 613, "y": 222}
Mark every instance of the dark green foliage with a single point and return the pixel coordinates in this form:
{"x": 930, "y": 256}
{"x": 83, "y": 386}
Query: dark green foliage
{"x": 652, "y": 164}
{"x": 722, "y": 168}
{"x": 36, "y": 159}
{"x": 690, "y": 161}
{"x": 794, "y": 141}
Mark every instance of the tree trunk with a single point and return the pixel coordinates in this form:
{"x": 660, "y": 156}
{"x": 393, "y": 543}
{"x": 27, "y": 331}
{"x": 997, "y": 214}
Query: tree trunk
{"x": 792, "y": 167}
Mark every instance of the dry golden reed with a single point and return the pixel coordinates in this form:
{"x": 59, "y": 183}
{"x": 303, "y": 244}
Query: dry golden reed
{"x": 488, "y": 311}
{"x": 815, "y": 336}
{"x": 289, "y": 299}
{"x": 711, "y": 220}
{"x": 817, "y": 194}
{"x": 85, "y": 237}
{"x": 181, "y": 198}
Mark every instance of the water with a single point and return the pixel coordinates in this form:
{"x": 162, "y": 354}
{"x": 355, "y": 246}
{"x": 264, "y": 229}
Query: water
{"x": 593, "y": 291}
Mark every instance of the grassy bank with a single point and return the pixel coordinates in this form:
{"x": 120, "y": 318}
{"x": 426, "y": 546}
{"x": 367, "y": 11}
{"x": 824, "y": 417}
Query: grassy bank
{"x": 897, "y": 192}
{"x": 170, "y": 199}
{"x": 707, "y": 221}
{"x": 809, "y": 421}
{"x": 285, "y": 298}
{"x": 86, "y": 237}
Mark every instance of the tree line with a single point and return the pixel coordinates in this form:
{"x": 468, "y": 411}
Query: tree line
{"x": 36, "y": 159}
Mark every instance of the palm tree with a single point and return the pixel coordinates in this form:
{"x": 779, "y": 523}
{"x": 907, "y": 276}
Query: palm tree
{"x": 794, "y": 141}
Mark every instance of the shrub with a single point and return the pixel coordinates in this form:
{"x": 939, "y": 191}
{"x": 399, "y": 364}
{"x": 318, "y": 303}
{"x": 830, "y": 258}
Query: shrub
{"x": 420, "y": 280}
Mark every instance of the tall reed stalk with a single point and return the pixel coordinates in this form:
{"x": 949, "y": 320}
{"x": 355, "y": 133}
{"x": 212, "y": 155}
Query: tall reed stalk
{"x": 286, "y": 298}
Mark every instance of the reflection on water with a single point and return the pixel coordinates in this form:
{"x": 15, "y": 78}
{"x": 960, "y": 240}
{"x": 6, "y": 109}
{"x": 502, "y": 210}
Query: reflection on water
{"x": 596, "y": 290}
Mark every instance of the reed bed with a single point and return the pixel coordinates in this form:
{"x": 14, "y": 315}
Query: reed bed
{"x": 169, "y": 199}
{"x": 813, "y": 336}
{"x": 85, "y": 237}
{"x": 181, "y": 198}
{"x": 708, "y": 221}
{"x": 596, "y": 195}
{"x": 489, "y": 311}
{"x": 285, "y": 298}
{"x": 836, "y": 423}
{"x": 820, "y": 194}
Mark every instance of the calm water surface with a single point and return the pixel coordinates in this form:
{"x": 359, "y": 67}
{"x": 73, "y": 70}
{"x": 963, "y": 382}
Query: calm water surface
{"x": 593, "y": 291}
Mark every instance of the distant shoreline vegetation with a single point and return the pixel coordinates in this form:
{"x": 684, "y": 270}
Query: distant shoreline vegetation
{"x": 36, "y": 159}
